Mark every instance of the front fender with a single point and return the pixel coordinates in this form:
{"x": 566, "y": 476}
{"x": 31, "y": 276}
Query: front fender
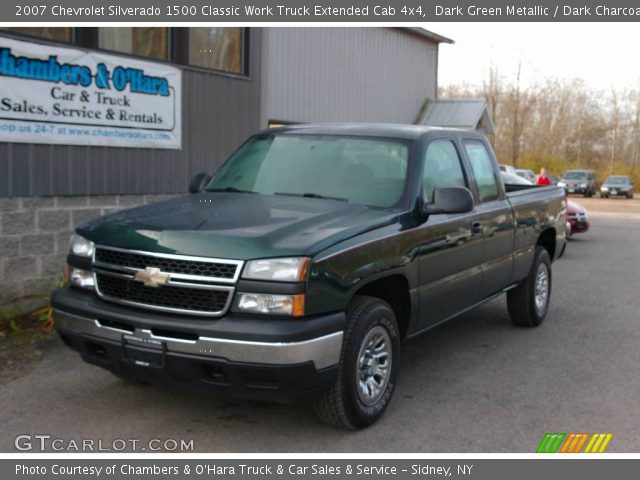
{"x": 337, "y": 274}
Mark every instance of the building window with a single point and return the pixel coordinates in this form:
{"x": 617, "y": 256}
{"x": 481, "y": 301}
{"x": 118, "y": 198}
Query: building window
{"x": 217, "y": 48}
{"x": 57, "y": 34}
{"x": 151, "y": 42}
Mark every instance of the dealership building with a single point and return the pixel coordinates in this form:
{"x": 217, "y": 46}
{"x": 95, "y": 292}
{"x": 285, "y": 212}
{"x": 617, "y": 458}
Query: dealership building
{"x": 94, "y": 120}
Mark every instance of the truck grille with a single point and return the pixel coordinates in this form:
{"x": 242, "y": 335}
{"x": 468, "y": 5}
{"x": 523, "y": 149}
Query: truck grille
{"x": 176, "y": 298}
{"x": 189, "y": 285}
{"x": 140, "y": 261}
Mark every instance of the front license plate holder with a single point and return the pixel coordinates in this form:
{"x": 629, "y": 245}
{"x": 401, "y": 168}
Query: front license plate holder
{"x": 144, "y": 352}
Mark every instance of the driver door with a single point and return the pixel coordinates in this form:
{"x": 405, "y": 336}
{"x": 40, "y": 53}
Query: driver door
{"x": 450, "y": 250}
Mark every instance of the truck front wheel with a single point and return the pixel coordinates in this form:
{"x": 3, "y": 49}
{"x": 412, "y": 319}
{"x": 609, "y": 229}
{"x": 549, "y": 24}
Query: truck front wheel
{"x": 528, "y": 302}
{"x": 369, "y": 364}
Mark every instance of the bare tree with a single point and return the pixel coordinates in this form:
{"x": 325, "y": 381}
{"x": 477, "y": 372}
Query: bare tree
{"x": 560, "y": 124}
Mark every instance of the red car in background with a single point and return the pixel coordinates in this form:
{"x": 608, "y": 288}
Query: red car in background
{"x": 577, "y": 218}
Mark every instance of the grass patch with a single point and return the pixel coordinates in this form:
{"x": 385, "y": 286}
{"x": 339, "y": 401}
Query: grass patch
{"x": 38, "y": 321}
{"x": 22, "y": 339}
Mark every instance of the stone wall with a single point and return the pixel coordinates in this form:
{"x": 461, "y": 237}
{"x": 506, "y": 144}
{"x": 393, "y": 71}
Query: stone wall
{"x": 34, "y": 238}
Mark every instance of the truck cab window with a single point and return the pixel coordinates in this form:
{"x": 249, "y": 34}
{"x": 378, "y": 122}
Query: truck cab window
{"x": 483, "y": 170}
{"x": 442, "y": 168}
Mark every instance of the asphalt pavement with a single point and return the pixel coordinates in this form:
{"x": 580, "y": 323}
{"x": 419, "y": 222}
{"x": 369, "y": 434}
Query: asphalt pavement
{"x": 476, "y": 384}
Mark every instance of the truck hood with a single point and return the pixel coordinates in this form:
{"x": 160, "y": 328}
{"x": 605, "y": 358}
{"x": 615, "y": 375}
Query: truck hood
{"x": 238, "y": 226}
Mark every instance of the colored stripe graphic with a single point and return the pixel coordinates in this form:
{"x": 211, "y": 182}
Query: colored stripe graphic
{"x": 550, "y": 443}
{"x": 598, "y": 443}
{"x": 573, "y": 442}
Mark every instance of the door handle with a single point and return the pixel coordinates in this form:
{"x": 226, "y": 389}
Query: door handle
{"x": 476, "y": 228}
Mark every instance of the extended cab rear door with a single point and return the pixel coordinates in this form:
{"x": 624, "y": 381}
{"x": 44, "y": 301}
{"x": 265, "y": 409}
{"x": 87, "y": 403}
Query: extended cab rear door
{"x": 496, "y": 216}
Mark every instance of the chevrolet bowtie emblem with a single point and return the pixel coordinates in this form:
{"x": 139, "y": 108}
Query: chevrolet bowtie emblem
{"x": 152, "y": 277}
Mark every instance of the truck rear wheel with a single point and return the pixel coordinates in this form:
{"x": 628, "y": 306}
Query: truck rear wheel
{"x": 528, "y": 302}
{"x": 368, "y": 370}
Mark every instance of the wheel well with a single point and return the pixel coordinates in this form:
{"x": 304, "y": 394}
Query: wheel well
{"x": 547, "y": 239}
{"x": 395, "y": 291}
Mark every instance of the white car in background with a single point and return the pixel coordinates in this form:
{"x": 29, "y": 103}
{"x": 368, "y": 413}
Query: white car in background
{"x": 507, "y": 169}
{"x": 526, "y": 173}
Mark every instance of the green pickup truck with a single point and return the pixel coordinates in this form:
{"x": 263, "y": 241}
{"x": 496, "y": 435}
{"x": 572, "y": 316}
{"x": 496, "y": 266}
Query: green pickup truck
{"x": 296, "y": 272}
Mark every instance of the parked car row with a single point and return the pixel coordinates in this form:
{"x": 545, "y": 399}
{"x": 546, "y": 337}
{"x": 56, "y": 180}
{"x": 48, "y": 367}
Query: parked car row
{"x": 580, "y": 181}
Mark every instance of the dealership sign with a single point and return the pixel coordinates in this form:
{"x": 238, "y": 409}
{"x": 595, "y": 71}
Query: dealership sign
{"x": 75, "y": 97}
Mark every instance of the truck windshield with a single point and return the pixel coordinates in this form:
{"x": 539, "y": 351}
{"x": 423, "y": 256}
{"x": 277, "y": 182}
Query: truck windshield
{"x": 364, "y": 171}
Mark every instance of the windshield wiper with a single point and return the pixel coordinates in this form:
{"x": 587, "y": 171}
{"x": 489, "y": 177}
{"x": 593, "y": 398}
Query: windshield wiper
{"x": 312, "y": 195}
{"x": 231, "y": 189}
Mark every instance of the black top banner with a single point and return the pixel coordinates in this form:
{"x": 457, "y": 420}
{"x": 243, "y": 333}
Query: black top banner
{"x": 261, "y": 11}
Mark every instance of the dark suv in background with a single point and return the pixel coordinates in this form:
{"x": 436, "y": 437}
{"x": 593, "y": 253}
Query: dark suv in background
{"x": 579, "y": 181}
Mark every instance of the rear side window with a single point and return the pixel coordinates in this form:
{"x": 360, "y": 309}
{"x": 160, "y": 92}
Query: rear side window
{"x": 483, "y": 171}
{"x": 442, "y": 168}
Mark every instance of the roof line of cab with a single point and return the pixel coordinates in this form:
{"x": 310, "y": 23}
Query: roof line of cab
{"x": 389, "y": 130}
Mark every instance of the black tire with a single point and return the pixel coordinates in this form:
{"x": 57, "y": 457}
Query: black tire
{"x": 521, "y": 301}
{"x": 342, "y": 405}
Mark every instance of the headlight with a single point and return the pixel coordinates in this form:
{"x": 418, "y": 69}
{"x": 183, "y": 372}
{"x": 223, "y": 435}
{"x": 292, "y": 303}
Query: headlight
{"x": 562, "y": 184}
{"x": 271, "y": 304}
{"x": 278, "y": 269}
{"x": 583, "y": 185}
{"x": 604, "y": 189}
{"x": 79, "y": 277}
{"x": 81, "y": 246}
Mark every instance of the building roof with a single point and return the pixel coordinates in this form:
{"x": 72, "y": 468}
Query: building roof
{"x": 429, "y": 35}
{"x": 472, "y": 114}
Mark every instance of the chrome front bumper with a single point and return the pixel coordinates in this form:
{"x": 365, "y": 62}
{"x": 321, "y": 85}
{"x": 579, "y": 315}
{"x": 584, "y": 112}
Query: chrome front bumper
{"x": 323, "y": 351}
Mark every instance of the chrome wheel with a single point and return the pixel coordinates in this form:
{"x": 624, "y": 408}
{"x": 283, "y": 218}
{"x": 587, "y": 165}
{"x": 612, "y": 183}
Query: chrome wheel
{"x": 541, "y": 295}
{"x": 374, "y": 365}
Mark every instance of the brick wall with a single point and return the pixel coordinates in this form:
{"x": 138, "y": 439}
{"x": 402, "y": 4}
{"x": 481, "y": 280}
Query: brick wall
{"x": 34, "y": 238}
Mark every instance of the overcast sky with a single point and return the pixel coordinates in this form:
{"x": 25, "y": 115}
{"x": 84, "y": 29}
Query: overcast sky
{"x": 604, "y": 55}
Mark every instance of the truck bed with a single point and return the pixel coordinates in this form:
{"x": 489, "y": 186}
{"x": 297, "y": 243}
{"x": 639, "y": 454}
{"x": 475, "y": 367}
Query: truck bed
{"x": 535, "y": 208}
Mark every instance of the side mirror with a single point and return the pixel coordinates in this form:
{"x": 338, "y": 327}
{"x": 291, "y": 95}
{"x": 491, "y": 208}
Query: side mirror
{"x": 449, "y": 200}
{"x": 199, "y": 182}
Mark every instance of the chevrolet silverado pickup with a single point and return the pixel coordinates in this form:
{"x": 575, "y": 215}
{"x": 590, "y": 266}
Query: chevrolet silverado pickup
{"x": 296, "y": 272}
